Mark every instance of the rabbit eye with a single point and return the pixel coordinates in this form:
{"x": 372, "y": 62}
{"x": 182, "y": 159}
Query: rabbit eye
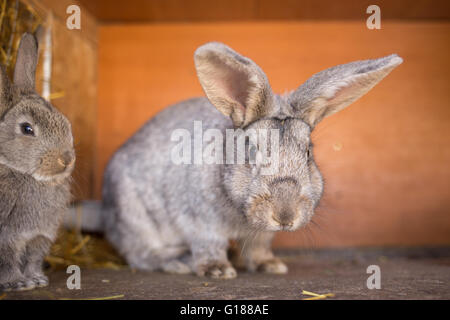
{"x": 27, "y": 129}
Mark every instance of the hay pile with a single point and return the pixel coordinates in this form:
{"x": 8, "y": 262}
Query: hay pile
{"x": 16, "y": 17}
{"x": 84, "y": 250}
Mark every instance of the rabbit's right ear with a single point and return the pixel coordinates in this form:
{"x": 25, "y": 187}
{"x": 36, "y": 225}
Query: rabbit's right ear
{"x": 234, "y": 84}
{"x": 27, "y": 58}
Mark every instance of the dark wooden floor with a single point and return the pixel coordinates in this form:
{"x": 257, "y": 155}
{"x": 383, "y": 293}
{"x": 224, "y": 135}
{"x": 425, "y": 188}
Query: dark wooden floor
{"x": 405, "y": 274}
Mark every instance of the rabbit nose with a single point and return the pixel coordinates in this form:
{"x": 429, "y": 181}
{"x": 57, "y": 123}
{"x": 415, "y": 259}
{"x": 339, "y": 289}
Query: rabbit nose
{"x": 284, "y": 219}
{"x": 66, "y": 159}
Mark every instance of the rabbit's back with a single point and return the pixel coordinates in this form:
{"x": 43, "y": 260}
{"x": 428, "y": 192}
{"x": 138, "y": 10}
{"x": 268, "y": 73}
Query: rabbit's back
{"x": 148, "y": 155}
{"x": 157, "y": 132}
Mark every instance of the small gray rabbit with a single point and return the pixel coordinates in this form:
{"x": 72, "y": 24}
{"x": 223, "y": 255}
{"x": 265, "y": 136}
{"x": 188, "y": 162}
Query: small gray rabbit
{"x": 179, "y": 218}
{"x": 36, "y": 160}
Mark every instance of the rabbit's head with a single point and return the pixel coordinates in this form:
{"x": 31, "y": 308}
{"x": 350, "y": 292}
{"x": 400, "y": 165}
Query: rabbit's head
{"x": 286, "y": 198}
{"x": 35, "y": 138}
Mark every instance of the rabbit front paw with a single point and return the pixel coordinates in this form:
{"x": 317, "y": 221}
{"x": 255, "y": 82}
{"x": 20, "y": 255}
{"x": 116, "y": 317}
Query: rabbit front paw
{"x": 21, "y": 284}
{"x": 274, "y": 266}
{"x": 40, "y": 280}
{"x": 217, "y": 270}
{"x": 176, "y": 267}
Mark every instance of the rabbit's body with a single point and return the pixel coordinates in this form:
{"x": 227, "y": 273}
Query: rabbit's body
{"x": 36, "y": 160}
{"x": 29, "y": 219}
{"x": 32, "y": 207}
{"x": 180, "y": 217}
{"x": 147, "y": 226}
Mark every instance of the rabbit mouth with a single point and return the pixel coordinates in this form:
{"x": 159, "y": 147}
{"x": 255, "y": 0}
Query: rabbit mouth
{"x": 280, "y": 227}
{"x": 296, "y": 223}
{"x": 54, "y": 178}
{"x": 58, "y": 176}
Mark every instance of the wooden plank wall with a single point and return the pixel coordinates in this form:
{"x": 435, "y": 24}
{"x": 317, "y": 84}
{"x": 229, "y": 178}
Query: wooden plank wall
{"x": 74, "y": 76}
{"x": 150, "y": 11}
{"x": 385, "y": 159}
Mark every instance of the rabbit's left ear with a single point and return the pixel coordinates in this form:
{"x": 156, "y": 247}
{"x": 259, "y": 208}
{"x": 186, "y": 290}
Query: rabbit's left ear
{"x": 27, "y": 58}
{"x": 333, "y": 89}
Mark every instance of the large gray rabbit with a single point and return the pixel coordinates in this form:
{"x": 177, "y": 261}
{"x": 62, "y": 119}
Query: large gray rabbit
{"x": 36, "y": 159}
{"x": 179, "y": 218}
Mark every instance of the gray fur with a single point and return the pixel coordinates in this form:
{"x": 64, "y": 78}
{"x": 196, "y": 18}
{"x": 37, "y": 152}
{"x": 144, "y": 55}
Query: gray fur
{"x": 34, "y": 174}
{"x": 180, "y": 218}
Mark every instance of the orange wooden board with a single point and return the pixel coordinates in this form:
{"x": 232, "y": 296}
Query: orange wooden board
{"x": 114, "y": 11}
{"x": 385, "y": 159}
